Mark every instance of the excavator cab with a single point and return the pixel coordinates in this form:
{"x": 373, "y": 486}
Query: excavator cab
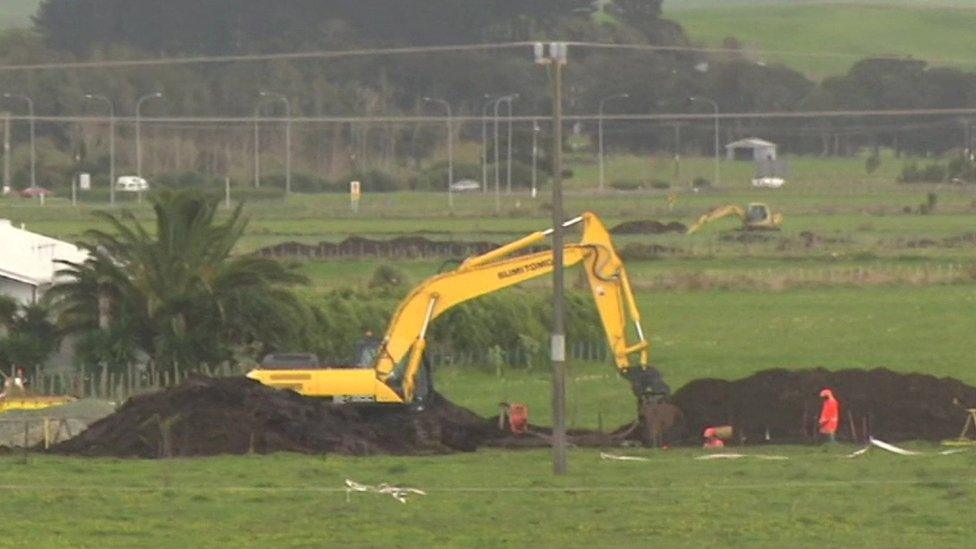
{"x": 757, "y": 213}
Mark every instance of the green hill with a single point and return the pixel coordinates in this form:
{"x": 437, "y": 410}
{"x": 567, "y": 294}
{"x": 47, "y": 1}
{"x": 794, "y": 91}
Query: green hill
{"x": 937, "y": 30}
{"x": 16, "y": 13}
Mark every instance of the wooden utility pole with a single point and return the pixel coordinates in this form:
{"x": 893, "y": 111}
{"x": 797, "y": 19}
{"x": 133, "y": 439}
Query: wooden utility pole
{"x": 556, "y": 58}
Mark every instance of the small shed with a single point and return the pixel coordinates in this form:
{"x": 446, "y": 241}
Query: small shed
{"x": 751, "y": 148}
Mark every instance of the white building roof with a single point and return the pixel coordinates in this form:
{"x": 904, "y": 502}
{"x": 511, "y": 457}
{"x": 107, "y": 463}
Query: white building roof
{"x": 32, "y": 258}
{"x": 749, "y": 143}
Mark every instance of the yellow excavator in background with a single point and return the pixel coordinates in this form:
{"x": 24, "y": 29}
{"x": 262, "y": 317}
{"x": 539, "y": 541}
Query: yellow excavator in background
{"x": 756, "y": 217}
{"x": 393, "y": 370}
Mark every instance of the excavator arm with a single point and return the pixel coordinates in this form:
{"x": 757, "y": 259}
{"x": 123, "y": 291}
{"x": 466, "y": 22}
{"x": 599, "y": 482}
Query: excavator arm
{"x": 499, "y": 269}
{"x": 715, "y": 214}
{"x": 400, "y": 355}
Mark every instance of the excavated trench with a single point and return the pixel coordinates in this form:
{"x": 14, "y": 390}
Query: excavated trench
{"x": 213, "y": 416}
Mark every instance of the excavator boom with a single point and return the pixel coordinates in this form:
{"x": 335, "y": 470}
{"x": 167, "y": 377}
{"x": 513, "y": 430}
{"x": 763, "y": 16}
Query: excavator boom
{"x": 393, "y": 377}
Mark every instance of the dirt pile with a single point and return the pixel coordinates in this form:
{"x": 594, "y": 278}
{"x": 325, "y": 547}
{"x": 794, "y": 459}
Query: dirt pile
{"x": 400, "y": 247}
{"x": 888, "y": 405}
{"x": 211, "y": 416}
{"x": 649, "y": 226}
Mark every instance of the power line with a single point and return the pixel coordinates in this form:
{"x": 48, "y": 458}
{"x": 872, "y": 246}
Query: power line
{"x": 458, "y": 48}
{"x": 400, "y": 119}
{"x": 294, "y": 56}
{"x": 780, "y": 53}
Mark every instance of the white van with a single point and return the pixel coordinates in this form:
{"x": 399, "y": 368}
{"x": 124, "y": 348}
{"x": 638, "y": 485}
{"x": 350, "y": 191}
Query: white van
{"x": 131, "y": 184}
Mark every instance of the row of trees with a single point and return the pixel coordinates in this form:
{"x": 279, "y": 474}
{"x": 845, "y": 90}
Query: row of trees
{"x": 657, "y": 82}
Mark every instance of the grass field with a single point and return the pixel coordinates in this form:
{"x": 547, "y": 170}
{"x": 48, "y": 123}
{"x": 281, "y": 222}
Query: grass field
{"x": 741, "y": 307}
{"x": 494, "y": 499}
{"x": 937, "y": 30}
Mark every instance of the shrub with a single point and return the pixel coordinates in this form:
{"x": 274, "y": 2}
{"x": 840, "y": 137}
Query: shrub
{"x": 872, "y": 163}
{"x": 910, "y": 173}
{"x": 304, "y": 183}
{"x": 186, "y": 179}
{"x": 701, "y": 183}
{"x": 660, "y": 184}
{"x": 435, "y": 177}
{"x": 934, "y": 173}
{"x": 626, "y": 184}
{"x": 961, "y": 168}
{"x": 389, "y": 279}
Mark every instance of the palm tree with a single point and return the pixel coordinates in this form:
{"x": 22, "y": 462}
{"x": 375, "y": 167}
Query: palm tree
{"x": 29, "y": 337}
{"x": 177, "y": 292}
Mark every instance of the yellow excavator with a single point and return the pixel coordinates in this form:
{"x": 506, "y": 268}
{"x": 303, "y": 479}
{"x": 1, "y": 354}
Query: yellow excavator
{"x": 755, "y": 217}
{"x": 393, "y": 370}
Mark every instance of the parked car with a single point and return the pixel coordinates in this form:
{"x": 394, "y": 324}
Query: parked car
{"x": 131, "y": 184}
{"x": 465, "y": 185}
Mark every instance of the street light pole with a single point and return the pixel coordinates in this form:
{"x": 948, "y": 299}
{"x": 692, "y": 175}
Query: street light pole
{"x": 557, "y": 58}
{"x": 600, "y": 132}
{"x": 154, "y": 95}
{"x": 508, "y": 185}
{"x": 450, "y": 149}
{"x": 33, "y": 150}
{"x": 498, "y": 199}
{"x": 257, "y": 147}
{"x": 484, "y": 143}
{"x": 284, "y": 99}
{"x": 717, "y": 138}
{"x": 111, "y": 144}
{"x": 535, "y": 158}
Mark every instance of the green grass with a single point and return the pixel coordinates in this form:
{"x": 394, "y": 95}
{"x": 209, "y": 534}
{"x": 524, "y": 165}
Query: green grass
{"x": 937, "y": 31}
{"x": 492, "y": 499}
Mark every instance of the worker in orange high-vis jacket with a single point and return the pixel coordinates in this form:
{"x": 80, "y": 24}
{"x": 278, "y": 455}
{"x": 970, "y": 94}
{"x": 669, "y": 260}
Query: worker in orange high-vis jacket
{"x": 829, "y": 415}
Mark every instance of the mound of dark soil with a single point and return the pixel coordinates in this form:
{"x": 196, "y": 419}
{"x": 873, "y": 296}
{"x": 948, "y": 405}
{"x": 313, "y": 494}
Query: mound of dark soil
{"x": 638, "y": 251}
{"x": 212, "y": 416}
{"x": 747, "y": 237}
{"x": 649, "y": 226}
{"x": 889, "y": 405}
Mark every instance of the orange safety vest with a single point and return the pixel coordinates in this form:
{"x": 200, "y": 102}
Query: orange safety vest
{"x": 830, "y": 413}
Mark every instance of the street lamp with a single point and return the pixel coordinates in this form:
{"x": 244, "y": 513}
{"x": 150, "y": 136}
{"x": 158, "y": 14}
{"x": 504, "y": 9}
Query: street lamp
{"x": 600, "y": 132}
{"x": 283, "y": 99}
{"x": 498, "y": 102}
{"x": 484, "y": 142}
{"x": 148, "y": 96}
{"x": 33, "y": 150}
{"x": 450, "y": 148}
{"x": 717, "y": 145}
{"x": 111, "y": 143}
